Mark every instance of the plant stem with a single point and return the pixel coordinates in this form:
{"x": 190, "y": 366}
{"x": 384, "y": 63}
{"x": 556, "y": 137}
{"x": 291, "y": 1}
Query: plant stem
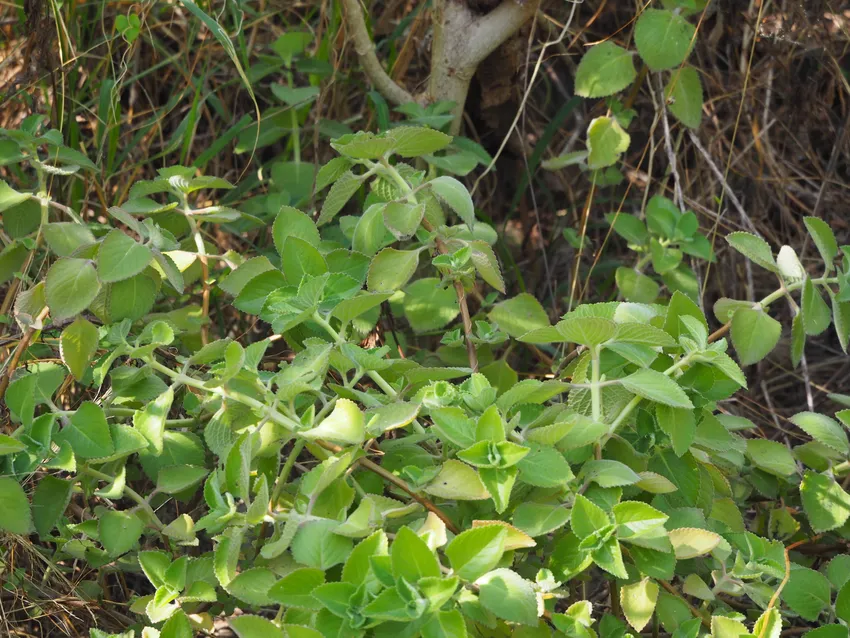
{"x": 631, "y": 405}
{"x": 375, "y": 376}
{"x": 22, "y": 346}
{"x": 205, "y": 273}
{"x": 595, "y": 395}
{"x": 133, "y": 494}
{"x": 776, "y": 294}
{"x": 294, "y": 426}
{"x": 472, "y": 355}
{"x": 285, "y": 470}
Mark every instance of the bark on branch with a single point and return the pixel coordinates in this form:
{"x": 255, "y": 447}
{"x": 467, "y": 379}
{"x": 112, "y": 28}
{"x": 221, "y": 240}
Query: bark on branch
{"x": 462, "y": 39}
{"x": 368, "y": 58}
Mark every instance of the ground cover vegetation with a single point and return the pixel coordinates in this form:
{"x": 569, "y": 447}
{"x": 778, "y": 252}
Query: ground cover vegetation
{"x": 432, "y": 319}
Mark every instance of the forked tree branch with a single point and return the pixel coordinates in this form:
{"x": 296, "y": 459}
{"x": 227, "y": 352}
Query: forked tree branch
{"x": 462, "y": 39}
{"x": 489, "y": 32}
{"x": 368, "y": 58}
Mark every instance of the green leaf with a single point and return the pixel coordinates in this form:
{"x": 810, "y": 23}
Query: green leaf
{"x": 358, "y": 567}
{"x": 539, "y": 519}
{"x": 754, "y": 334}
{"x": 628, "y": 227}
{"x": 457, "y": 481}
{"x": 331, "y": 171}
{"x": 391, "y": 269}
{"x": 253, "y": 585}
{"x": 769, "y": 624}
{"x": 23, "y": 219}
{"x": 638, "y": 602}
{"x": 807, "y": 592}
{"x": 234, "y": 282}
{"x": 662, "y": 216}
{"x": 150, "y": 421}
{"x": 587, "y": 331}
{"x": 428, "y": 305}
{"x": 411, "y": 557}
{"x": 609, "y": 556}
{"x": 823, "y": 430}
{"x": 679, "y": 424}
{"x": 349, "y": 309}
{"x": 606, "y": 142}
{"x": 247, "y": 626}
{"x": 402, "y": 219}
{"x": 684, "y": 96}
{"x": 88, "y": 433}
{"x": 338, "y": 196}
{"x": 485, "y": 262}
{"x": 545, "y": 466}
{"x": 415, "y": 141}
{"x": 370, "y": 232}
{"x": 10, "y": 445}
{"x": 519, "y": 315}
{"x": 562, "y": 161}
{"x": 295, "y": 589}
{"x": 657, "y": 387}
{"x": 301, "y": 258}
{"x": 635, "y": 286}
{"x": 12, "y": 258}
{"x": 16, "y": 517}
{"x": 453, "y": 193}
{"x": 842, "y": 603}
{"x": 49, "y": 501}
{"x": 753, "y": 248}
{"x": 77, "y": 346}
{"x": 10, "y": 197}
{"x": 291, "y": 222}
{"x": 816, "y": 314}
{"x": 643, "y": 334}
{"x": 841, "y": 317}
{"x": 345, "y": 425}
{"x": 587, "y": 517}
{"x": 119, "y": 531}
{"x": 71, "y": 285}
{"x": 824, "y": 239}
{"x": 509, "y": 596}
{"x": 315, "y": 545}
{"x": 723, "y": 627}
{"x": 771, "y": 457}
{"x": 64, "y": 238}
{"x": 604, "y": 70}
{"x": 635, "y": 518}
{"x": 390, "y": 417}
{"x": 690, "y": 542}
{"x": 154, "y": 564}
{"x": 445, "y": 624}
{"x": 176, "y": 478}
{"x": 120, "y": 257}
{"x": 838, "y": 570}
{"x": 609, "y": 473}
{"x": 131, "y": 298}
{"x": 826, "y": 504}
{"x": 664, "y": 259}
{"x": 363, "y": 145}
{"x": 663, "y": 38}
{"x": 476, "y": 551}
{"x": 177, "y": 626}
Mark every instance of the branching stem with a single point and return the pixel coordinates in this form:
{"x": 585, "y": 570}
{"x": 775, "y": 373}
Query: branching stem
{"x": 466, "y": 318}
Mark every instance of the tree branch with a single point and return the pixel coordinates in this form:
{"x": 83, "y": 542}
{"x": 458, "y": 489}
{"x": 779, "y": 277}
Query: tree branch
{"x": 368, "y": 58}
{"x": 489, "y": 32}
